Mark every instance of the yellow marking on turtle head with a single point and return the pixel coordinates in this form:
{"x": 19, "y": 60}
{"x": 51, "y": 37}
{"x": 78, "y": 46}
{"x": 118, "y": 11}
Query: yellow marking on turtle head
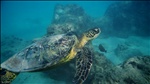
{"x": 89, "y": 35}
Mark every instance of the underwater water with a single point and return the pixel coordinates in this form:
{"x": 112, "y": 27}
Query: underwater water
{"x": 30, "y": 19}
{"x": 125, "y": 36}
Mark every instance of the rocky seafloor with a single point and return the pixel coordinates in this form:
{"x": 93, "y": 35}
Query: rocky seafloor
{"x": 127, "y": 60}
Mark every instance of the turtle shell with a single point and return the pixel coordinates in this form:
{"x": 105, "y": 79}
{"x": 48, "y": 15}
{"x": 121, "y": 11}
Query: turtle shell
{"x": 46, "y": 52}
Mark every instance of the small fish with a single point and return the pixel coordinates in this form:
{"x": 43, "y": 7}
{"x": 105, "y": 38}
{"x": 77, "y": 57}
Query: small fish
{"x": 102, "y": 49}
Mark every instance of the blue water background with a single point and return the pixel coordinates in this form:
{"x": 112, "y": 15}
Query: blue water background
{"x": 30, "y": 19}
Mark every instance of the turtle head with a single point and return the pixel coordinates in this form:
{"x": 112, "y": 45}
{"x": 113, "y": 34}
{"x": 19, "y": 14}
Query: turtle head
{"x": 92, "y": 33}
{"x": 87, "y": 36}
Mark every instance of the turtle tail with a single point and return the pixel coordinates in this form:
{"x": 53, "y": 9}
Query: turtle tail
{"x": 7, "y": 76}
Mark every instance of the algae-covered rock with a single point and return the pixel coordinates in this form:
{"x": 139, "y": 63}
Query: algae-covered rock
{"x": 61, "y": 28}
{"x": 124, "y": 51}
{"x": 135, "y": 70}
{"x": 128, "y": 18}
{"x": 69, "y": 18}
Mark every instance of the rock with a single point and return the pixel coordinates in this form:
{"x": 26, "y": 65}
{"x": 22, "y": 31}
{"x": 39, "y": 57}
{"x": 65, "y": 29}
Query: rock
{"x": 124, "y": 51}
{"x": 68, "y": 18}
{"x": 101, "y": 65}
{"x": 61, "y": 28}
{"x": 128, "y": 18}
{"x": 137, "y": 70}
{"x": 67, "y": 10}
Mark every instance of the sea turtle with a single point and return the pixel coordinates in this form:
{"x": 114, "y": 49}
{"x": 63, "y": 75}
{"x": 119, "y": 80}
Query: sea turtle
{"x": 51, "y": 51}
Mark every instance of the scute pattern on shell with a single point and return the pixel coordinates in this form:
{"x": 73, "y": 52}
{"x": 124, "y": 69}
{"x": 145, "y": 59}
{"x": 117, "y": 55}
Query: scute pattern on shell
{"x": 42, "y": 54}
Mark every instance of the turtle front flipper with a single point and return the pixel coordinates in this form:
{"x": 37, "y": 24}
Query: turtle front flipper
{"x": 7, "y": 76}
{"x": 83, "y": 65}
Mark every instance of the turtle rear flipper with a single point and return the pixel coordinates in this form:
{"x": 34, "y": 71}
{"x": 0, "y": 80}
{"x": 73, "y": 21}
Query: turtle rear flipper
{"x": 83, "y": 65}
{"x": 7, "y": 76}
